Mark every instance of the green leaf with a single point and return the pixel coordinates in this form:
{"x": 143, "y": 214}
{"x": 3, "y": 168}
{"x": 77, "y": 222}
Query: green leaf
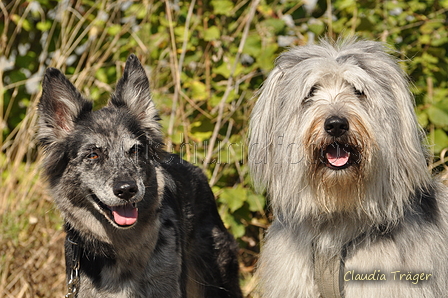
{"x": 138, "y": 10}
{"x": 417, "y": 5}
{"x": 236, "y": 228}
{"x": 179, "y": 31}
{"x": 441, "y": 98}
{"x": 201, "y": 130}
{"x": 215, "y": 100}
{"x": 232, "y": 152}
{"x": 256, "y": 202}
{"x": 340, "y": 25}
{"x": 422, "y": 118}
{"x": 234, "y": 198}
{"x": 430, "y": 27}
{"x": 223, "y": 7}
{"x": 265, "y": 10}
{"x": 225, "y": 68}
{"x": 265, "y": 60}
{"x": 24, "y": 22}
{"x": 274, "y": 25}
{"x": 217, "y": 97}
{"x": 101, "y": 75}
{"x": 316, "y": 26}
{"x": 344, "y": 4}
{"x": 430, "y": 59}
{"x": 198, "y": 90}
{"x": 43, "y": 26}
{"x": 424, "y": 39}
{"x": 438, "y": 139}
{"x": 437, "y": 116}
{"x": 17, "y": 76}
{"x": 113, "y": 29}
{"x": 252, "y": 46}
{"x": 28, "y": 61}
{"x": 212, "y": 33}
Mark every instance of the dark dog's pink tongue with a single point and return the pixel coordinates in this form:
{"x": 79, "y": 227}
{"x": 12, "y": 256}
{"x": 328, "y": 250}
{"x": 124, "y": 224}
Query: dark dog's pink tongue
{"x": 125, "y": 215}
{"x": 337, "y": 156}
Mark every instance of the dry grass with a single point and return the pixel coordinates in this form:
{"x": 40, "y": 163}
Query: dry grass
{"x": 31, "y": 237}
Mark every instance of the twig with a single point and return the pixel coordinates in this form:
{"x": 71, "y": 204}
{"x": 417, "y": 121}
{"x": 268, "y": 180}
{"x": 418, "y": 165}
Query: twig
{"x": 330, "y": 18}
{"x": 177, "y": 64}
{"x": 230, "y": 86}
{"x": 213, "y": 179}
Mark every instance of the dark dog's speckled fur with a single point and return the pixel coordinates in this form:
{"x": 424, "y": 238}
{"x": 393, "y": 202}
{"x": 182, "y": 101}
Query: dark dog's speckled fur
{"x": 145, "y": 220}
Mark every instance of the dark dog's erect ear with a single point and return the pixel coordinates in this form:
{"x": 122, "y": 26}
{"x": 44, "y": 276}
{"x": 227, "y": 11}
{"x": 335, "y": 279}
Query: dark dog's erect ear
{"x": 59, "y": 107}
{"x": 133, "y": 92}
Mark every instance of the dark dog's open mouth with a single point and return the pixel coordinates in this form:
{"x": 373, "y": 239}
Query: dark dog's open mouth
{"x": 123, "y": 216}
{"x": 339, "y": 156}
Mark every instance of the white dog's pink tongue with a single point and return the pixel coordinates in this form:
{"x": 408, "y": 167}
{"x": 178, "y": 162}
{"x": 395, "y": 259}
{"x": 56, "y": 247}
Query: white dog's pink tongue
{"x": 336, "y": 156}
{"x": 125, "y": 215}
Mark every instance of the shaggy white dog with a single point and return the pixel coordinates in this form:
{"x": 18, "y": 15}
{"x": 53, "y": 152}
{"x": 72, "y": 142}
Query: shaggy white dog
{"x": 335, "y": 143}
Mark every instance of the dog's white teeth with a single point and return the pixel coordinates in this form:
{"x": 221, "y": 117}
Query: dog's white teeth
{"x": 134, "y": 205}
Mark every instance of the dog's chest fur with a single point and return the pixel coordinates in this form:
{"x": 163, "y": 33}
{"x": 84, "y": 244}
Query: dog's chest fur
{"x": 159, "y": 278}
{"x": 401, "y": 251}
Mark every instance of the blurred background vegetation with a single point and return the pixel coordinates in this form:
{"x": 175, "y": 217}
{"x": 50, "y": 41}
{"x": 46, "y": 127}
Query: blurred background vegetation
{"x": 205, "y": 60}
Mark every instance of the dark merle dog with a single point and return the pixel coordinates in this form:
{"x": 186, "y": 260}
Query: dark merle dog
{"x": 140, "y": 222}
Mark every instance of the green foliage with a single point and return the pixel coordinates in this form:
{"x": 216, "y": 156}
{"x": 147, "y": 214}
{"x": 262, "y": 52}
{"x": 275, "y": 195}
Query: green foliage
{"x": 205, "y": 62}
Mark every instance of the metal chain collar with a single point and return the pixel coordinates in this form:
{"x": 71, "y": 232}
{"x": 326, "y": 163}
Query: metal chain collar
{"x": 73, "y": 282}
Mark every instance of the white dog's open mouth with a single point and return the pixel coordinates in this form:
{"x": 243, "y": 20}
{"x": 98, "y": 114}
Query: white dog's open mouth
{"x": 337, "y": 156}
{"x": 123, "y": 216}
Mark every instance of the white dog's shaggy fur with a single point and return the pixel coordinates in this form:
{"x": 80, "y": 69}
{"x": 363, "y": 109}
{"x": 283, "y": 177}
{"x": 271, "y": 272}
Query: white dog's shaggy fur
{"x": 335, "y": 143}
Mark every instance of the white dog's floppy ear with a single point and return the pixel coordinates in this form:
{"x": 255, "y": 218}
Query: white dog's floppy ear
{"x": 262, "y": 128}
{"x": 59, "y": 107}
{"x": 134, "y": 93}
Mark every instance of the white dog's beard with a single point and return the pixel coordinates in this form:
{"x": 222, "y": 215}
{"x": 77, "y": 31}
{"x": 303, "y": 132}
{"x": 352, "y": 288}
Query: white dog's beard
{"x": 340, "y": 165}
{"x": 338, "y": 192}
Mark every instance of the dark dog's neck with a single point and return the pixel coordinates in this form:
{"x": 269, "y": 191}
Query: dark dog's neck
{"x": 93, "y": 256}
{"x": 90, "y": 247}
{"x": 89, "y": 255}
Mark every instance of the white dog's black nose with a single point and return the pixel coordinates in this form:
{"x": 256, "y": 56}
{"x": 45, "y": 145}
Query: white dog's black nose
{"x": 336, "y": 126}
{"x": 125, "y": 189}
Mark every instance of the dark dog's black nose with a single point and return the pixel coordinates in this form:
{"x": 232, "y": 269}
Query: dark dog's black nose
{"x": 125, "y": 189}
{"x": 336, "y": 126}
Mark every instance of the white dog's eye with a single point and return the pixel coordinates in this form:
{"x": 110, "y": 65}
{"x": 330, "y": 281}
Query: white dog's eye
{"x": 311, "y": 93}
{"x": 360, "y": 94}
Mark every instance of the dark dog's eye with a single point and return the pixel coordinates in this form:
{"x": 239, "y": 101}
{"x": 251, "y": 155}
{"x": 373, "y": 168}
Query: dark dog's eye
{"x": 135, "y": 149}
{"x": 93, "y": 155}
